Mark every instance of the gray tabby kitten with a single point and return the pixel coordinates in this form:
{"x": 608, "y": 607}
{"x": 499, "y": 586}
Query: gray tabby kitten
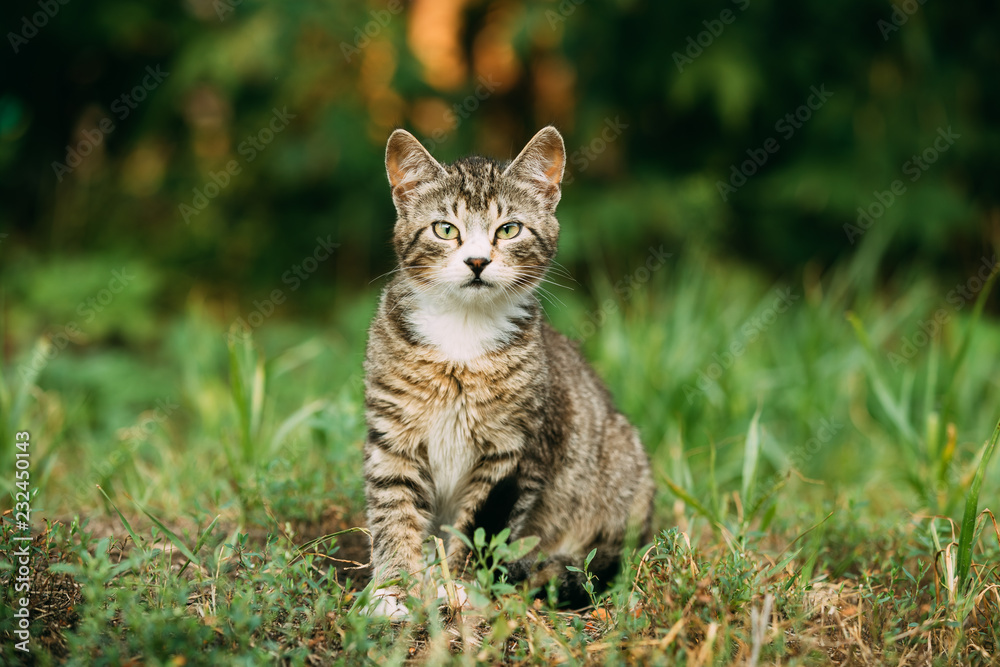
{"x": 478, "y": 412}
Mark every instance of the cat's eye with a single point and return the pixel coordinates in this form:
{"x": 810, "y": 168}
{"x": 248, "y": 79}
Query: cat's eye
{"x": 445, "y": 230}
{"x": 509, "y": 231}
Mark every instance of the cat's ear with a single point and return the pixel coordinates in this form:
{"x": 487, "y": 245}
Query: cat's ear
{"x": 408, "y": 164}
{"x": 541, "y": 164}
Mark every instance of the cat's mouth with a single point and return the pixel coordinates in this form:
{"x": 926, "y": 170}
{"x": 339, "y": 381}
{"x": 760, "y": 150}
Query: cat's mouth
{"x": 477, "y": 283}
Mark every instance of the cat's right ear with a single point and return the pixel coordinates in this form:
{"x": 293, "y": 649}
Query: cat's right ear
{"x": 408, "y": 164}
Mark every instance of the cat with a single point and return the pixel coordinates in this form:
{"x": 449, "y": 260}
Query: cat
{"x": 479, "y": 413}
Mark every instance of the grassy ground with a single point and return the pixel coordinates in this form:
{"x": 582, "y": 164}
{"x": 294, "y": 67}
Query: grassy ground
{"x": 816, "y": 443}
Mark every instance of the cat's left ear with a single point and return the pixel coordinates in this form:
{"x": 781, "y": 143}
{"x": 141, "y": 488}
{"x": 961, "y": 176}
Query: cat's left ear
{"x": 541, "y": 164}
{"x": 408, "y": 164}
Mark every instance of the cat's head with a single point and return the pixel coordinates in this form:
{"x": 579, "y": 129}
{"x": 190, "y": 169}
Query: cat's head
{"x": 475, "y": 232}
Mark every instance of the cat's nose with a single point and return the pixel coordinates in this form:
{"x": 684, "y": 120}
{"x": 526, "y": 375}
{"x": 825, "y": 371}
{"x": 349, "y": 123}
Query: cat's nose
{"x": 477, "y": 264}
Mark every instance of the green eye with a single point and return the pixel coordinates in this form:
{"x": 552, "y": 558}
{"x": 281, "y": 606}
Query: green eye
{"x": 509, "y": 231}
{"x": 445, "y": 230}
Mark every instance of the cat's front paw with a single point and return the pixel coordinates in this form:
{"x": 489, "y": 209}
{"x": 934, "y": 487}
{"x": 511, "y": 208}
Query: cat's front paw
{"x": 386, "y": 602}
{"x": 461, "y": 597}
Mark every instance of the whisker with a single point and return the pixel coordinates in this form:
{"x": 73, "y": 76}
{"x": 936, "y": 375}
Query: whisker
{"x": 396, "y": 270}
{"x": 549, "y": 295}
{"x": 508, "y": 295}
{"x": 543, "y": 271}
{"x": 535, "y": 267}
{"x": 565, "y": 271}
{"x": 540, "y": 305}
{"x": 540, "y": 278}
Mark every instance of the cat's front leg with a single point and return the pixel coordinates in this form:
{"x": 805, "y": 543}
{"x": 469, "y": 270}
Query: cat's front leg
{"x": 398, "y": 495}
{"x": 458, "y": 551}
{"x": 489, "y": 496}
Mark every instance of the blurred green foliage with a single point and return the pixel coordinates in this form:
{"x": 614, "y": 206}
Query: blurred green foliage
{"x": 205, "y": 148}
{"x": 208, "y": 149}
{"x": 171, "y": 172}
{"x": 692, "y": 95}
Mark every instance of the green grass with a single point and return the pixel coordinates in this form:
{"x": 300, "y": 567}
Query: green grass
{"x": 198, "y": 489}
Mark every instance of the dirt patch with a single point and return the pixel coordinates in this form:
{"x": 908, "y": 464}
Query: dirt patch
{"x": 52, "y": 597}
{"x": 353, "y": 545}
{"x": 344, "y": 528}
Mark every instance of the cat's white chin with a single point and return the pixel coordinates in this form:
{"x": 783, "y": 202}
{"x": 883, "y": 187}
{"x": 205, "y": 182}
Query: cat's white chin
{"x": 466, "y": 323}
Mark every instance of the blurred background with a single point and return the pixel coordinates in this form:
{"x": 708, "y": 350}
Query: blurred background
{"x": 482, "y": 76}
{"x": 225, "y": 158}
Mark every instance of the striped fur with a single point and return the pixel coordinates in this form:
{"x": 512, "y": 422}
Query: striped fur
{"x": 478, "y": 412}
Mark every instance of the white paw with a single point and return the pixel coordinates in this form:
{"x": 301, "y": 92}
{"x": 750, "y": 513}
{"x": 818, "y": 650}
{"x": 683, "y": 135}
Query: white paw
{"x": 461, "y": 596}
{"x": 387, "y": 604}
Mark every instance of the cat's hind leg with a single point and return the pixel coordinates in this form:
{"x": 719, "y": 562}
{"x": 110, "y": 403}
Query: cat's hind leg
{"x": 570, "y": 584}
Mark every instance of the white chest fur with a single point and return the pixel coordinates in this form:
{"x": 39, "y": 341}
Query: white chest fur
{"x": 461, "y": 334}
{"x": 451, "y": 456}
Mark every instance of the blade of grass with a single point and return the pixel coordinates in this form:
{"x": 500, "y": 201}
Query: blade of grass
{"x": 764, "y": 496}
{"x": 177, "y": 541}
{"x": 906, "y": 395}
{"x": 892, "y": 409}
{"x": 208, "y": 531}
{"x": 931, "y": 417}
{"x": 314, "y": 543}
{"x": 201, "y": 540}
{"x": 28, "y": 380}
{"x": 128, "y": 526}
{"x": 680, "y": 467}
{"x": 805, "y": 532}
{"x": 295, "y": 420}
{"x": 751, "y": 455}
{"x": 967, "y": 533}
{"x": 257, "y": 399}
{"x": 713, "y": 486}
{"x": 247, "y": 379}
{"x": 691, "y": 500}
{"x": 295, "y": 357}
{"x": 238, "y": 390}
{"x": 963, "y": 348}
